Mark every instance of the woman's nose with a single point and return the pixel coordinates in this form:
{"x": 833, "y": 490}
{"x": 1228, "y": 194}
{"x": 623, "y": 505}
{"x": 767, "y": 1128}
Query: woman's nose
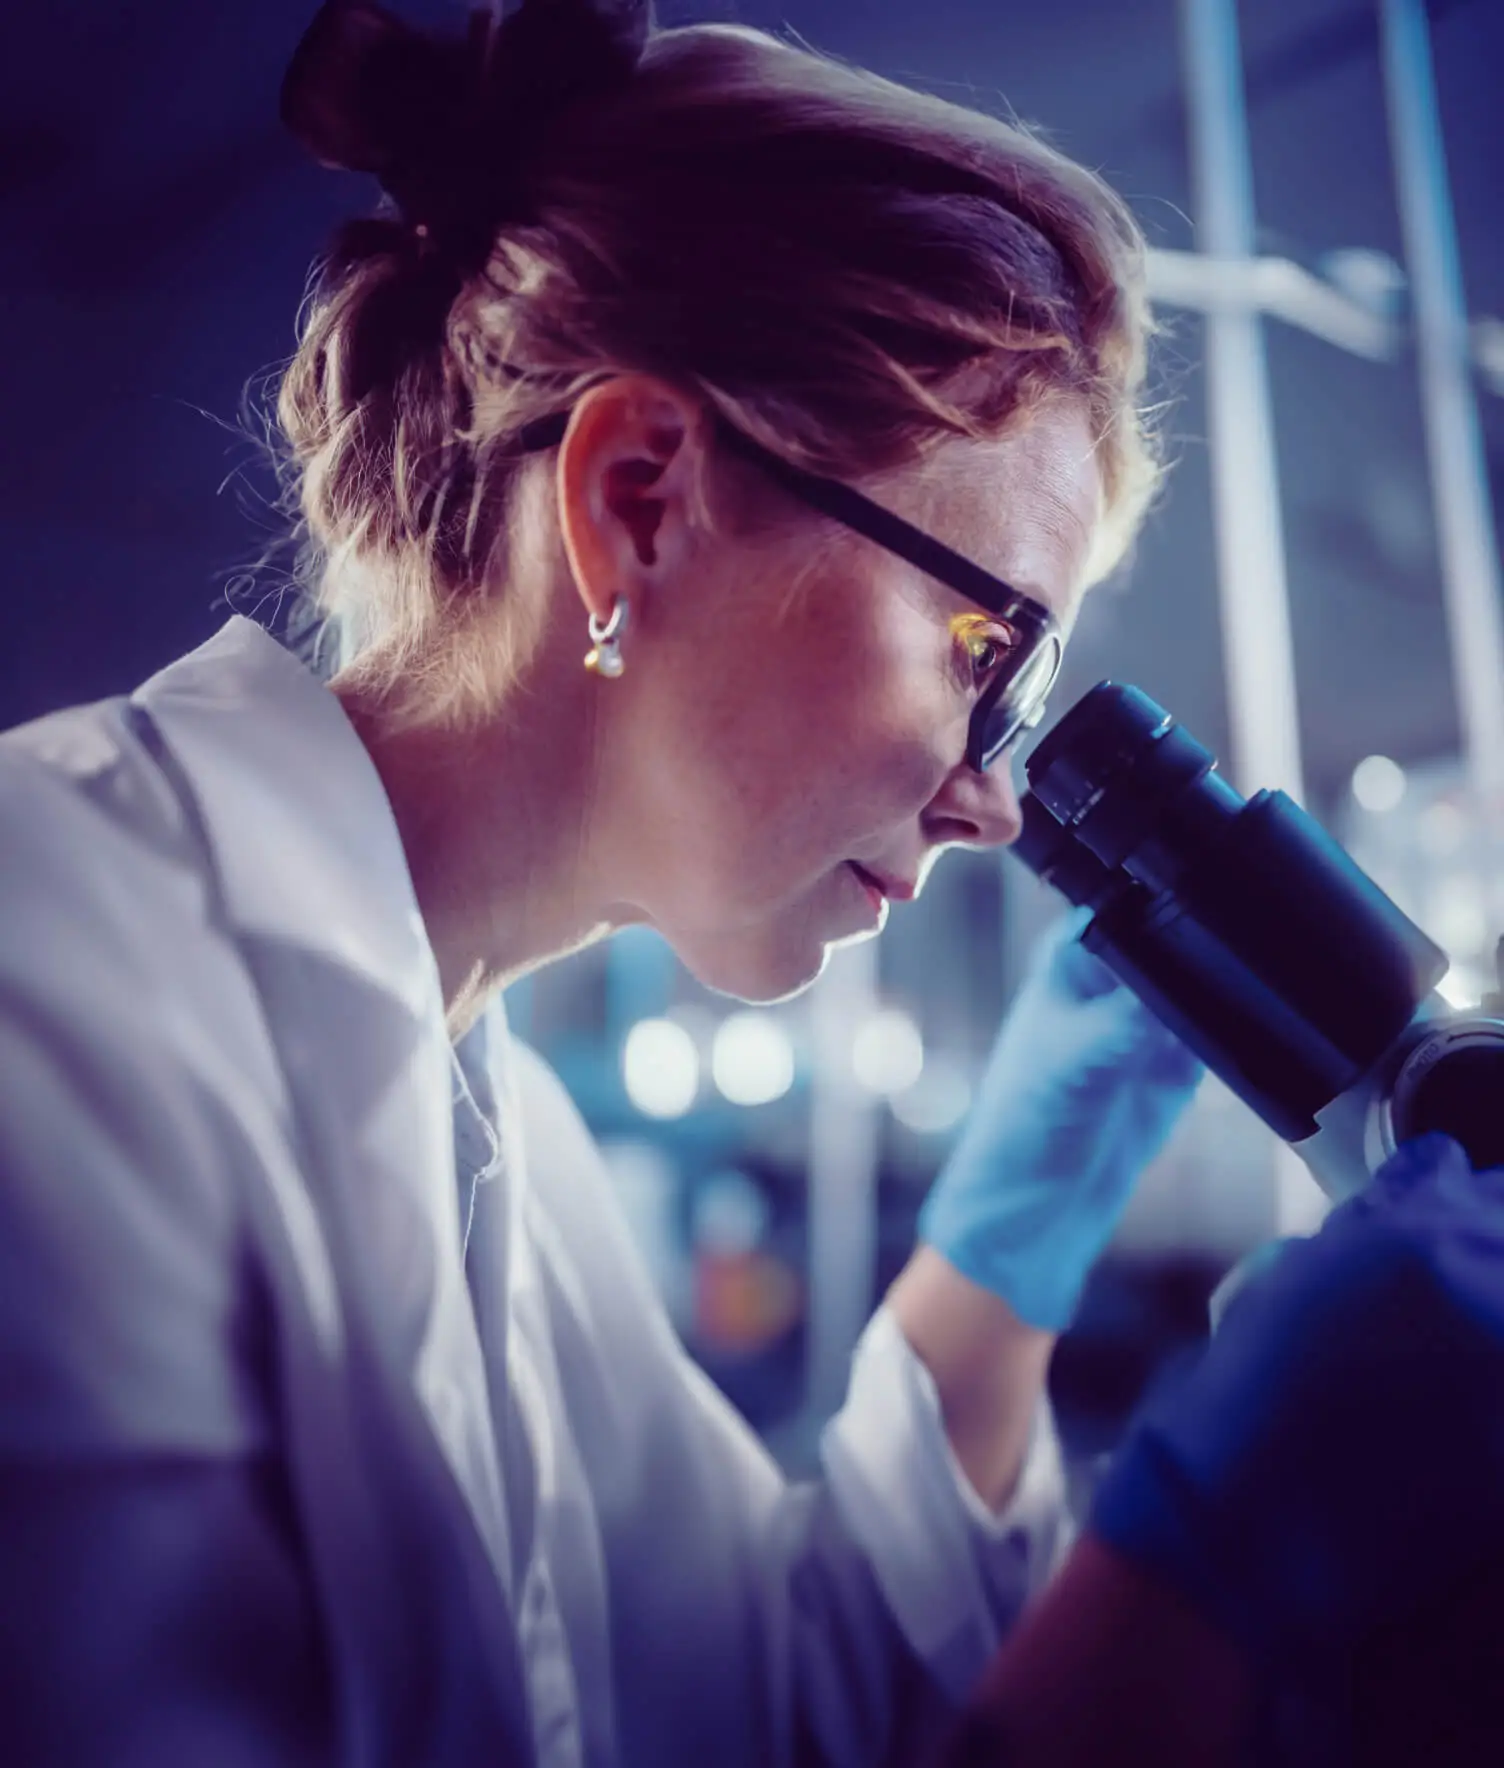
{"x": 977, "y": 810}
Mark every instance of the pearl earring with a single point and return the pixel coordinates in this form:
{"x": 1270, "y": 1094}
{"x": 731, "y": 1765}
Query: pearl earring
{"x": 606, "y": 658}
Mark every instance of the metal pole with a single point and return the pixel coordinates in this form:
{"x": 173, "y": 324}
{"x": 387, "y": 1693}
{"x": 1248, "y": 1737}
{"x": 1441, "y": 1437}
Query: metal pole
{"x": 1258, "y": 654}
{"x": 842, "y": 1179}
{"x": 1464, "y": 516}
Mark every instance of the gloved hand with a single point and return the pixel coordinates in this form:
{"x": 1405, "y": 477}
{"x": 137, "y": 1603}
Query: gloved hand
{"x": 1083, "y": 1086}
{"x": 1333, "y": 1464}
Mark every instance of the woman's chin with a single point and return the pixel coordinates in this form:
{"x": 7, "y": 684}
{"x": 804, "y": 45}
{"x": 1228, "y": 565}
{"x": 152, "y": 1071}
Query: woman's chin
{"x": 778, "y": 954}
{"x": 753, "y": 972}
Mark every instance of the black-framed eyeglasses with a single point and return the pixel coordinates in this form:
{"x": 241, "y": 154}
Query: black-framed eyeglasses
{"x": 1013, "y": 701}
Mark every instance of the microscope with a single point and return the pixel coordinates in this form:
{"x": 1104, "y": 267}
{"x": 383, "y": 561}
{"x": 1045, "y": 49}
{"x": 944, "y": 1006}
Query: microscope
{"x": 1260, "y": 943}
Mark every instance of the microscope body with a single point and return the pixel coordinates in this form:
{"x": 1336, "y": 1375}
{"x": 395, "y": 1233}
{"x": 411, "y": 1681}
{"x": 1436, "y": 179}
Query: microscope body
{"x": 1445, "y": 1071}
{"x": 1259, "y": 941}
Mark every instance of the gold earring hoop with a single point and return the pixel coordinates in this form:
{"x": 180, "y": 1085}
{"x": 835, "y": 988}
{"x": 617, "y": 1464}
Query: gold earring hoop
{"x": 605, "y": 636}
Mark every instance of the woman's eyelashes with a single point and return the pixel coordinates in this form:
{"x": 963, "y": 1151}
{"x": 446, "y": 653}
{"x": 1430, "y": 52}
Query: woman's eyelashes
{"x": 983, "y": 643}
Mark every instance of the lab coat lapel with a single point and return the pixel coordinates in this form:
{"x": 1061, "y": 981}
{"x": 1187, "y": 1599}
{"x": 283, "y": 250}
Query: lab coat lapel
{"x": 312, "y": 877}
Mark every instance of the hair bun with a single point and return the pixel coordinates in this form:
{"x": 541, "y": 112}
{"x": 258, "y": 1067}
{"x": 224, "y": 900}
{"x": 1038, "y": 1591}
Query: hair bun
{"x": 446, "y": 124}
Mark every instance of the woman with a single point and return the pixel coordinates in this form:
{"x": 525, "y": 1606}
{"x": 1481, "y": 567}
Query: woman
{"x": 801, "y": 410}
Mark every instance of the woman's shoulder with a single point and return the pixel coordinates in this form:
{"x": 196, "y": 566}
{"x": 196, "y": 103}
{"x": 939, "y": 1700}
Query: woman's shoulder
{"x": 103, "y": 883}
{"x": 120, "y": 1132}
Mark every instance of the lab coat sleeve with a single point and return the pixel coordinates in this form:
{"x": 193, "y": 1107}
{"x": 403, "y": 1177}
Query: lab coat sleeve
{"x": 840, "y": 1621}
{"x": 955, "y": 1573}
{"x": 152, "y": 1609}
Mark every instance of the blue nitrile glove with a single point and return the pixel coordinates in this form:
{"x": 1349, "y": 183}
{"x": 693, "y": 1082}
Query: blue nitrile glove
{"x": 1333, "y": 1462}
{"x": 1083, "y": 1086}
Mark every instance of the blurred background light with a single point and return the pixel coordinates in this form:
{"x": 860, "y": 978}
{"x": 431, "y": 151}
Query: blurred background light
{"x": 1378, "y": 784}
{"x": 660, "y": 1068}
{"x": 1373, "y": 279}
{"x": 937, "y": 1100}
{"x": 887, "y": 1053}
{"x": 1443, "y": 828}
{"x": 1457, "y": 916}
{"x": 752, "y": 1059}
{"x": 1462, "y": 986}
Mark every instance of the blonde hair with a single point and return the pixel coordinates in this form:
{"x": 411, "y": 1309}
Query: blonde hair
{"x": 847, "y": 270}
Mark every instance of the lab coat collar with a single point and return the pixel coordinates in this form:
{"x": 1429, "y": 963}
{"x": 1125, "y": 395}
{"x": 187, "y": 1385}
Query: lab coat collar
{"x": 477, "y": 1143}
{"x": 308, "y": 871}
{"x": 279, "y": 772}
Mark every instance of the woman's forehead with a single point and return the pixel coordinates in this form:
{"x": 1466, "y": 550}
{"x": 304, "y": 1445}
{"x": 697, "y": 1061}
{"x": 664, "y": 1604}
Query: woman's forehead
{"x": 1023, "y": 506}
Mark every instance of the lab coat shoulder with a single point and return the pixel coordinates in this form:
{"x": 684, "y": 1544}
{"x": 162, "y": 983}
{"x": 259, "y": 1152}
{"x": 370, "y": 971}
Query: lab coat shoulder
{"x": 128, "y": 1100}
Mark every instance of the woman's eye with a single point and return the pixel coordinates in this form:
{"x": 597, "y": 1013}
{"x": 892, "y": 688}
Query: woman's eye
{"x": 985, "y": 646}
{"x": 986, "y": 654}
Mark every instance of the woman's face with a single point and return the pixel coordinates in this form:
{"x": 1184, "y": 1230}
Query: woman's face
{"x": 786, "y": 756}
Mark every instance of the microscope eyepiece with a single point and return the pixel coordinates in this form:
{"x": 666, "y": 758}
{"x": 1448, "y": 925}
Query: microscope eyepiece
{"x": 1241, "y": 923}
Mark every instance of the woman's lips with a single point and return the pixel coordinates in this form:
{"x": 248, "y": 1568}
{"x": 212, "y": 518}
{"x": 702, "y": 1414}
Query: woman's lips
{"x": 880, "y": 890}
{"x": 876, "y": 897}
{"x": 889, "y": 888}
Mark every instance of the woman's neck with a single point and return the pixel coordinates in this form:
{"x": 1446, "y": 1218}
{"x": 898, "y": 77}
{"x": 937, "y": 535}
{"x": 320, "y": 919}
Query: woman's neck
{"x": 496, "y": 824}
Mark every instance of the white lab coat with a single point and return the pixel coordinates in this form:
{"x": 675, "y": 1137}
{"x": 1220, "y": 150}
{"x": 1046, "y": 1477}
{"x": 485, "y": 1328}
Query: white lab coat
{"x": 290, "y": 1469}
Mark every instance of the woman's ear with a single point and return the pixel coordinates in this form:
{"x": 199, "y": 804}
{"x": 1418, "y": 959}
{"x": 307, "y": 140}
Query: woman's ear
{"x": 627, "y": 480}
